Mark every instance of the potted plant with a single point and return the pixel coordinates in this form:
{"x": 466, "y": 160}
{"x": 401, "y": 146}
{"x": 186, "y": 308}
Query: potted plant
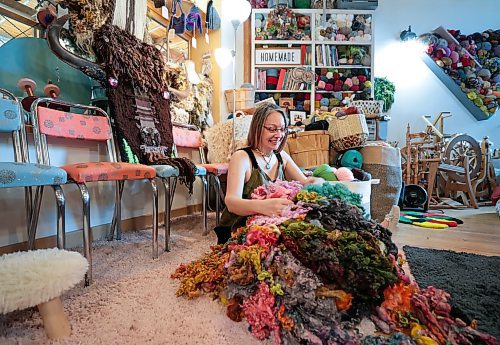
{"x": 384, "y": 91}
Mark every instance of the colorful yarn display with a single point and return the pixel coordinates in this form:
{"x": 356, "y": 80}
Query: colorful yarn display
{"x": 300, "y": 280}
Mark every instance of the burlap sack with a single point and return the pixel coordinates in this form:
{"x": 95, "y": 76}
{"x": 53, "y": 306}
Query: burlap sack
{"x": 383, "y": 163}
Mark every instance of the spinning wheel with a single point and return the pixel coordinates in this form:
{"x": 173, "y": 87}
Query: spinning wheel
{"x": 456, "y": 149}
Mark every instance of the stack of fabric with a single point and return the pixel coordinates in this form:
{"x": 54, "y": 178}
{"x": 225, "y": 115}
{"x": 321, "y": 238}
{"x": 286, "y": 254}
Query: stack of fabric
{"x": 309, "y": 276}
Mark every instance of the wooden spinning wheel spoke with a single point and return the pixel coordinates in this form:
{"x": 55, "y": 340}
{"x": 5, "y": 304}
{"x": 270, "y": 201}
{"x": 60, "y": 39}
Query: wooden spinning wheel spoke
{"x": 457, "y": 149}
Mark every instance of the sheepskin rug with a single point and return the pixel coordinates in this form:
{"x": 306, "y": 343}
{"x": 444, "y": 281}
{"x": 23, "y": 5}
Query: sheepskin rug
{"x": 133, "y": 301}
{"x": 37, "y": 276}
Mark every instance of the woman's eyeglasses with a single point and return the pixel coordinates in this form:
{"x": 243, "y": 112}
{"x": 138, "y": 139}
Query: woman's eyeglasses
{"x": 276, "y": 129}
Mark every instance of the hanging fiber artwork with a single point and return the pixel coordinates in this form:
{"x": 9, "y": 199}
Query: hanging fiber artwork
{"x": 86, "y": 17}
{"x": 139, "y": 106}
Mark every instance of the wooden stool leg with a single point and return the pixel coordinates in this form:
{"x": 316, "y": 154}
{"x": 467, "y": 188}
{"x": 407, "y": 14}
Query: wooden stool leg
{"x": 55, "y": 322}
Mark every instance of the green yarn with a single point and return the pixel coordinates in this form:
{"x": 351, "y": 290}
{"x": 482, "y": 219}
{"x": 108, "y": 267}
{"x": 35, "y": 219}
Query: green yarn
{"x": 336, "y": 191}
{"x": 127, "y": 154}
{"x": 325, "y": 172}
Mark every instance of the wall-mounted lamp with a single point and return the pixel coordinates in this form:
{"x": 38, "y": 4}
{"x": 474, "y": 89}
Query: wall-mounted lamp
{"x": 407, "y": 35}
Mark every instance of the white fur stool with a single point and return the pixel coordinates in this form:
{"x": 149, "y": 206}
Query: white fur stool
{"x": 38, "y": 278}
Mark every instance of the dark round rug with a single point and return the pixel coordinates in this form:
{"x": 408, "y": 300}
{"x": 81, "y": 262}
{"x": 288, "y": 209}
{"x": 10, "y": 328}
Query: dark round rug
{"x": 473, "y": 282}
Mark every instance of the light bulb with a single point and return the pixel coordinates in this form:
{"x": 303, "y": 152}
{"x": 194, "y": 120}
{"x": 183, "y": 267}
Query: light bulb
{"x": 237, "y": 10}
{"x": 223, "y": 57}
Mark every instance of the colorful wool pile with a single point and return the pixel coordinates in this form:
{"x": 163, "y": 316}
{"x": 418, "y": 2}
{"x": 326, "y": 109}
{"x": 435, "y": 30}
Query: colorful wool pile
{"x": 310, "y": 275}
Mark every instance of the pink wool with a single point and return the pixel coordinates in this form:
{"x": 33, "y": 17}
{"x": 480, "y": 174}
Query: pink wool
{"x": 278, "y": 189}
{"x": 259, "y": 311}
{"x": 344, "y": 174}
{"x": 289, "y": 212}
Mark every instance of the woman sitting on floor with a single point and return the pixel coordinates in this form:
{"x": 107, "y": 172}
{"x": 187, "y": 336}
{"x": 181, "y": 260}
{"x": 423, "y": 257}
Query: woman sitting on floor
{"x": 261, "y": 162}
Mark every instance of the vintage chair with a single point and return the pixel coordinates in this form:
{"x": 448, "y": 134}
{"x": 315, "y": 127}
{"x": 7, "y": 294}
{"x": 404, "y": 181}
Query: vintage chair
{"x": 21, "y": 173}
{"x": 189, "y": 136}
{"x": 90, "y": 124}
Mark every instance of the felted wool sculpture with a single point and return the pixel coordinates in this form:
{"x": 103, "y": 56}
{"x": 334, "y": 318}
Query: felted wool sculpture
{"x": 344, "y": 174}
{"x": 38, "y": 278}
{"x": 326, "y": 172}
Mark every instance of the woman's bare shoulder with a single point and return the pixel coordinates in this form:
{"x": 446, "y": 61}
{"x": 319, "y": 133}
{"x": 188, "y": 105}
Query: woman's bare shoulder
{"x": 240, "y": 158}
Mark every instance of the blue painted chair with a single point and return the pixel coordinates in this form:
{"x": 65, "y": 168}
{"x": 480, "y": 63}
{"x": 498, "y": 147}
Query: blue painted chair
{"x": 21, "y": 173}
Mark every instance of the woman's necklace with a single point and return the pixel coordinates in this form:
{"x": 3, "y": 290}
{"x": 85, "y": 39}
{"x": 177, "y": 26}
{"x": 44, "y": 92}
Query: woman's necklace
{"x": 266, "y": 157}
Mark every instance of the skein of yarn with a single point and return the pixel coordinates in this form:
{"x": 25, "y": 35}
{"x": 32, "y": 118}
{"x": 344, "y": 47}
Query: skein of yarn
{"x": 344, "y": 174}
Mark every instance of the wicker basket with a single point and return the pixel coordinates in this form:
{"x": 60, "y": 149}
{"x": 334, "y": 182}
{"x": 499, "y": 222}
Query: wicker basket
{"x": 245, "y": 99}
{"x": 347, "y": 132}
{"x": 371, "y": 109}
{"x": 308, "y": 149}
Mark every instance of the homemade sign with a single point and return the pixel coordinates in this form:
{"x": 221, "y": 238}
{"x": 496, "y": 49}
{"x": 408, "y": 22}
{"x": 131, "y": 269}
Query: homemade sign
{"x": 278, "y": 56}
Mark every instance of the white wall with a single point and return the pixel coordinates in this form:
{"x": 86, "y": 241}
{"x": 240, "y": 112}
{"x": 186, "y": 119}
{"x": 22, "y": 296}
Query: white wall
{"x": 137, "y": 197}
{"x": 418, "y": 91}
{"x": 227, "y": 41}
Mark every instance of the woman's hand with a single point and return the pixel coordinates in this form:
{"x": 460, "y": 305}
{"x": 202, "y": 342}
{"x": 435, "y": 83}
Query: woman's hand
{"x": 273, "y": 207}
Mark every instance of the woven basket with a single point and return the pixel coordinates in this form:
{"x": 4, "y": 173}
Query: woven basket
{"x": 308, "y": 149}
{"x": 245, "y": 99}
{"x": 347, "y": 132}
{"x": 371, "y": 109}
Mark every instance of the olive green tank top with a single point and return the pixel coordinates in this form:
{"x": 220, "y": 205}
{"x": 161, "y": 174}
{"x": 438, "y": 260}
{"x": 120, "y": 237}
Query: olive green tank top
{"x": 257, "y": 178}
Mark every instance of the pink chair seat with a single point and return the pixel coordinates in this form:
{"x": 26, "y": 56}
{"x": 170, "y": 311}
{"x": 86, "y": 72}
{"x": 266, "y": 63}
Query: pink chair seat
{"x": 216, "y": 168}
{"x": 108, "y": 171}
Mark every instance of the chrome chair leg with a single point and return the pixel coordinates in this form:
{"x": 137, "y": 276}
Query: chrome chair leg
{"x": 33, "y": 219}
{"x": 166, "y": 213}
{"x": 205, "y": 204}
{"x": 28, "y": 201}
{"x": 218, "y": 195}
{"x": 117, "y": 214}
{"x": 173, "y": 186}
{"x": 155, "y": 218}
{"x": 87, "y": 231}
{"x": 61, "y": 217}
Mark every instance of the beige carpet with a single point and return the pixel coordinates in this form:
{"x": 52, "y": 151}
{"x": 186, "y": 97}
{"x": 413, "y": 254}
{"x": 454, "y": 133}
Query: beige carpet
{"x": 133, "y": 301}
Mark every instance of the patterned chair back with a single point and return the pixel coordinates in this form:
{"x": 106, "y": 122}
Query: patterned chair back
{"x": 92, "y": 125}
{"x": 11, "y": 122}
{"x": 188, "y": 136}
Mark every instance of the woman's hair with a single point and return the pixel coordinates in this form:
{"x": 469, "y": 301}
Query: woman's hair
{"x": 259, "y": 118}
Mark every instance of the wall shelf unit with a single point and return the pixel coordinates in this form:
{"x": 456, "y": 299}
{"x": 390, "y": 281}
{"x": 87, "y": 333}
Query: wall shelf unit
{"x": 332, "y": 68}
{"x": 452, "y": 85}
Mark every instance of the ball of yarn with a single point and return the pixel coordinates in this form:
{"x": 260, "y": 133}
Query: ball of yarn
{"x": 352, "y": 159}
{"x": 326, "y": 172}
{"x": 361, "y": 174}
{"x": 344, "y": 174}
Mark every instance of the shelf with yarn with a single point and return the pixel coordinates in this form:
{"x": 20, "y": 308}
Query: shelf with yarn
{"x": 284, "y": 91}
{"x": 343, "y": 66}
{"x": 282, "y": 42}
{"x": 342, "y": 37}
{"x": 461, "y": 72}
